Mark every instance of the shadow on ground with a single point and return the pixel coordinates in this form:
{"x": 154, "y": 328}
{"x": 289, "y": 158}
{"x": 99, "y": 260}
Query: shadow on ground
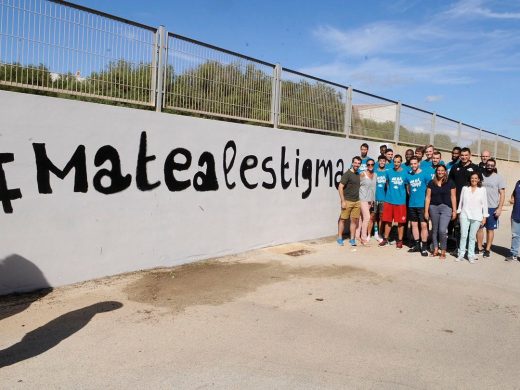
{"x": 18, "y": 276}
{"x": 500, "y": 250}
{"x": 51, "y": 334}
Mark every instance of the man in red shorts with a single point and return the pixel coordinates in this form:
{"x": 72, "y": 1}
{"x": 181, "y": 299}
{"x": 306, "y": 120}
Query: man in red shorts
{"x": 394, "y": 209}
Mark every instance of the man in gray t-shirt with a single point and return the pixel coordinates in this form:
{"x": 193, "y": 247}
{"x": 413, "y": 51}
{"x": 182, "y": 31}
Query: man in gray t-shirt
{"x": 495, "y": 186}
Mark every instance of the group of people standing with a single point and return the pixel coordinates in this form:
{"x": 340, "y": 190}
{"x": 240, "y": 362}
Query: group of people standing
{"x": 428, "y": 199}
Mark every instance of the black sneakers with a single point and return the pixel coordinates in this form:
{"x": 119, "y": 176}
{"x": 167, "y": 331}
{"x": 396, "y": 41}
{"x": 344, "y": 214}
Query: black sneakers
{"x": 485, "y": 253}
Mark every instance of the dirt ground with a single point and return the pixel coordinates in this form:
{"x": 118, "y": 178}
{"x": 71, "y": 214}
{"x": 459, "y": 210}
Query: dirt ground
{"x": 303, "y": 315}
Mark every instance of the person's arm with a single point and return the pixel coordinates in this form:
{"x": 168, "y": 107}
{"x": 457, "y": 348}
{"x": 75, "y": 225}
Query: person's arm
{"x": 502, "y": 193}
{"x": 453, "y": 194}
{"x": 461, "y": 201}
{"x": 485, "y": 211}
{"x": 427, "y": 203}
{"x": 341, "y": 187}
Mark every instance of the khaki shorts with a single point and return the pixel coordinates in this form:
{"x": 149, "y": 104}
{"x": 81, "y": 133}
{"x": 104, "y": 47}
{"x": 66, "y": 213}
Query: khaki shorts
{"x": 353, "y": 210}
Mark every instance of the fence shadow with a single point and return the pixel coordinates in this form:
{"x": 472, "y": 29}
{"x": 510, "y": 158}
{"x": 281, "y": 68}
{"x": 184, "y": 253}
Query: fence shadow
{"x": 18, "y": 276}
{"x": 51, "y": 334}
{"x": 500, "y": 250}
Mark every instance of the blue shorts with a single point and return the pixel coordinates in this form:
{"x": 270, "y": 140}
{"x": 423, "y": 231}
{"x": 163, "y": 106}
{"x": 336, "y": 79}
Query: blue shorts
{"x": 492, "y": 220}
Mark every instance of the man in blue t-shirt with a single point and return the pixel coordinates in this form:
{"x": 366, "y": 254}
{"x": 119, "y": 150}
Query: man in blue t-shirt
{"x": 380, "y": 172}
{"x": 455, "y": 155}
{"x": 428, "y": 155}
{"x": 394, "y": 209}
{"x": 364, "y": 157}
{"x": 434, "y": 163}
{"x": 416, "y": 183}
{"x": 389, "y": 154}
{"x": 515, "y": 223}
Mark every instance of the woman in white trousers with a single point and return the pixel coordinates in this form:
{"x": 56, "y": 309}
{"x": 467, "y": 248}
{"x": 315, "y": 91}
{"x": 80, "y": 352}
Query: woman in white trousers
{"x": 473, "y": 211}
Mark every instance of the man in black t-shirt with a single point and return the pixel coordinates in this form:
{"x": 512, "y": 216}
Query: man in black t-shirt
{"x": 484, "y": 156}
{"x": 461, "y": 172}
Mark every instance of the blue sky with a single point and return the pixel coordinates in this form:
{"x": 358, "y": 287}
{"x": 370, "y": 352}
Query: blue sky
{"x": 460, "y": 59}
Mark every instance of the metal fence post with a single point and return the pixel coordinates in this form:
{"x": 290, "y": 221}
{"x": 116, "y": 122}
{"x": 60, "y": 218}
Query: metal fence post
{"x": 153, "y": 81}
{"x": 432, "y": 134}
{"x": 161, "y": 52}
{"x": 397, "y": 122}
{"x": 479, "y": 148}
{"x": 347, "y": 128}
{"x": 276, "y": 95}
{"x": 509, "y": 149}
{"x": 459, "y": 133}
{"x": 496, "y": 146}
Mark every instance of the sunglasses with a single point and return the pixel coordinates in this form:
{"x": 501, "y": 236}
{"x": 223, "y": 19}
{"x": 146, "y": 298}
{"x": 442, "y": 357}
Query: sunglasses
{"x": 370, "y": 165}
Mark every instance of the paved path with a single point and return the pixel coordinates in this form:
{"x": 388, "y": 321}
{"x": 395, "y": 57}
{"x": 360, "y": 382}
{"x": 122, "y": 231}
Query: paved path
{"x": 329, "y": 318}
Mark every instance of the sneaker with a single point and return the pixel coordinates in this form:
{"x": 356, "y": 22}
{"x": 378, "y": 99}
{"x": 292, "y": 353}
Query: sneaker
{"x": 376, "y": 237}
{"x": 477, "y": 251}
{"x": 485, "y": 253}
{"x": 472, "y": 259}
{"x": 424, "y": 253}
{"x": 340, "y": 241}
{"x": 384, "y": 242}
{"x": 414, "y": 249}
{"x": 399, "y": 244}
{"x": 352, "y": 242}
{"x": 459, "y": 259}
{"x": 510, "y": 258}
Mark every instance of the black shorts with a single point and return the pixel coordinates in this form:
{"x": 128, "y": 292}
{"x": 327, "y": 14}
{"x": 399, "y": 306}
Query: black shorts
{"x": 416, "y": 214}
{"x": 377, "y": 208}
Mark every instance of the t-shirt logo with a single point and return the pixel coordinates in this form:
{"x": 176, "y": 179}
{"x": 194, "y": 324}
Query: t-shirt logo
{"x": 415, "y": 183}
{"x": 397, "y": 181}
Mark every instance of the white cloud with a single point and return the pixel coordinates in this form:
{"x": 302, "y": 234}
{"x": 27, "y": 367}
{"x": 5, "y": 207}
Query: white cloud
{"x": 433, "y": 98}
{"x": 476, "y": 8}
{"x": 438, "y": 50}
{"x": 365, "y": 41}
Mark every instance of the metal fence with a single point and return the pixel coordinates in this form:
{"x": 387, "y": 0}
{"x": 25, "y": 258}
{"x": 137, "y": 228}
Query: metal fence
{"x": 56, "y": 47}
{"x": 205, "y": 79}
{"x": 61, "y": 49}
{"x": 310, "y": 103}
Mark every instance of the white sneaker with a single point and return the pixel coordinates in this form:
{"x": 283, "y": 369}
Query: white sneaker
{"x": 459, "y": 258}
{"x": 472, "y": 260}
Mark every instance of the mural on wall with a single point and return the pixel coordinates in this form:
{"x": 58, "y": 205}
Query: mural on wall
{"x": 297, "y": 172}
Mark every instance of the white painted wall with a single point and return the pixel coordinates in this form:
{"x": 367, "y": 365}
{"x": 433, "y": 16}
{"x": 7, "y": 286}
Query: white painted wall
{"x": 65, "y": 237}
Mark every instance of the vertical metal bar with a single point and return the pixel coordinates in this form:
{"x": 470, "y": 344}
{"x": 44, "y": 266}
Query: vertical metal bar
{"x": 160, "y": 69}
{"x": 397, "y": 122}
{"x": 479, "y": 141}
{"x": 155, "y": 54}
{"x": 459, "y": 133}
{"x": 432, "y": 133}
{"x": 509, "y": 149}
{"x": 496, "y": 146}
{"x": 347, "y": 126}
{"x": 275, "y": 97}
